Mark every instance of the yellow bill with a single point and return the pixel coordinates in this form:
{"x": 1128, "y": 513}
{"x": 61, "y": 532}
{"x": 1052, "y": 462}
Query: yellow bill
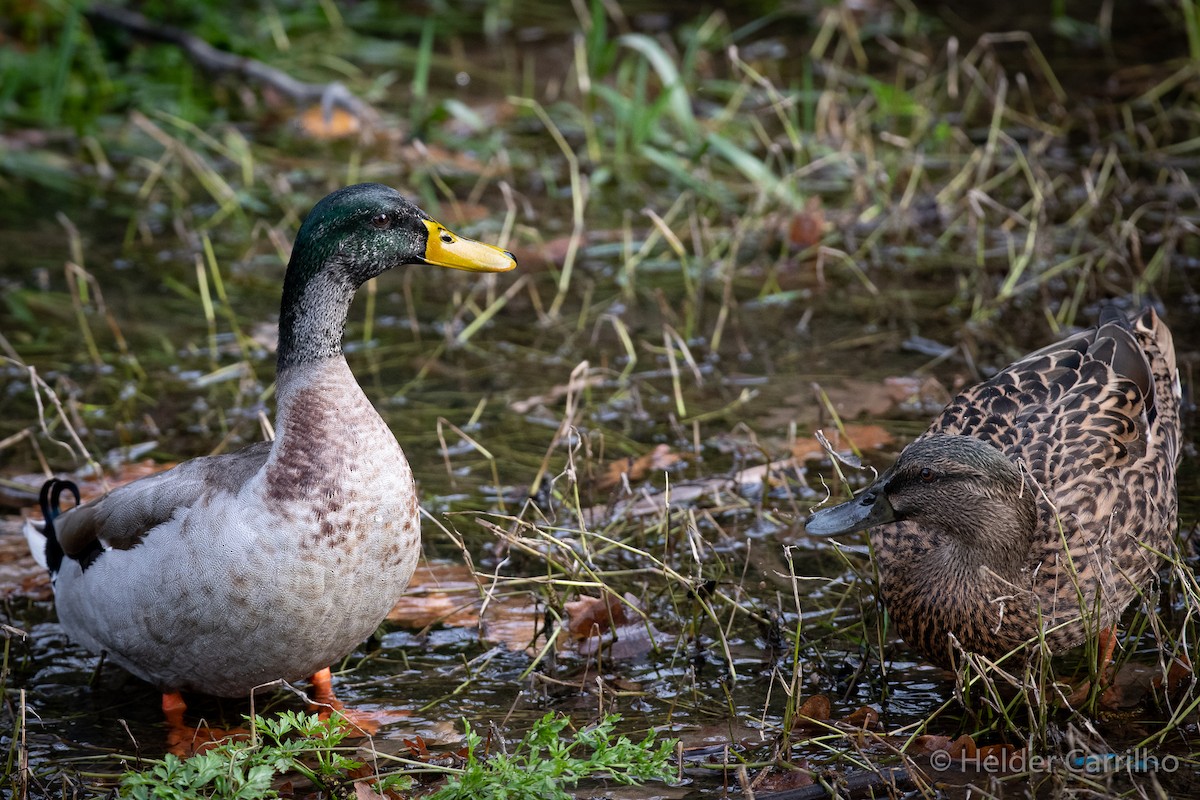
{"x": 447, "y": 249}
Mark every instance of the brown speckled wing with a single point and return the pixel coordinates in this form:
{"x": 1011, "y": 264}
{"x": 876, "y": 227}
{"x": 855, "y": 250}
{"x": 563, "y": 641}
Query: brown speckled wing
{"x": 1078, "y": 405}
{"x": 122, "y": 517}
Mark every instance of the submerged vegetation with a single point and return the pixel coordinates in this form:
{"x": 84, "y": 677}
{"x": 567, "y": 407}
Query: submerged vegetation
{"x": 733, "y": 229}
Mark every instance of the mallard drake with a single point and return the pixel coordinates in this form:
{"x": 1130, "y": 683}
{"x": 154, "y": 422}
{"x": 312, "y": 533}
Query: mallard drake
{"x": 1038, "y": 504}
{"x": 273, "y": 562}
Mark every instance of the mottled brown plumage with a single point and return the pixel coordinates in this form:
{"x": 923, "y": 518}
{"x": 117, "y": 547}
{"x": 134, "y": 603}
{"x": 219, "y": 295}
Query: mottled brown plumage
{"x": 1039, "y": 502}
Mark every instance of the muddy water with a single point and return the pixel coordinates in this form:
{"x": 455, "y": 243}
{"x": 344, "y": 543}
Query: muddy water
{"x": 438, "y": 674}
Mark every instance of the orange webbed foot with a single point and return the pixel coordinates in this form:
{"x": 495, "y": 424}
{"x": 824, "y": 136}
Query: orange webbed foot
{"x": 326, "y": 704}
{"x": 185, "y": 740}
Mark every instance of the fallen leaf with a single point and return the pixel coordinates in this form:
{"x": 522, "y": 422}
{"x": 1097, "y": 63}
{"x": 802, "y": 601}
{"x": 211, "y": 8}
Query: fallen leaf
{"x": 816, "y": 708}
{"x": 657, "y": 460}
{"x": 417, "y": 749}
{"x": 338, "y": 124}
{"x": 963, "y": 747}
{"x": 611, "y": 625}
{"x": 592, "y": 616}
{"x": 863, "y": 437}
{"x": 865, "y": 717}
{"x": 445, "y": 593}
{"x": 777, "y": 779}
{"x": 855, "y": 397}
{"x": 770, "y": 474}
{"x": 364, "y": 791}
{"x": 926, "y": 744}
{"x": 1001, "y": 753}
{"x": 807, "y": 228}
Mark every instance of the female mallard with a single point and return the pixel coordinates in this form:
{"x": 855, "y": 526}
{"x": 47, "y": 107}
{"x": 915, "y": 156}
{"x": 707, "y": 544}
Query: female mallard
{"x": 231, "y": 571}
{"x": 1038, "y": 503}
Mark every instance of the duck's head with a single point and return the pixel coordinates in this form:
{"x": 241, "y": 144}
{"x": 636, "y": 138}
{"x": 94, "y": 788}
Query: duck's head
{"x": 366, "y": 229}
{"x": 351, "y": 236}
{"x": 950, "y": 486}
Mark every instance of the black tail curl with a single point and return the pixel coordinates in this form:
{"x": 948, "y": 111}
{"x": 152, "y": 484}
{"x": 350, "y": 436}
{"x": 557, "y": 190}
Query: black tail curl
{"x": 49, "y": 499}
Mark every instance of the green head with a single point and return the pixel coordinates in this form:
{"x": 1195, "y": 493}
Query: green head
{"x": 351, "y": 236}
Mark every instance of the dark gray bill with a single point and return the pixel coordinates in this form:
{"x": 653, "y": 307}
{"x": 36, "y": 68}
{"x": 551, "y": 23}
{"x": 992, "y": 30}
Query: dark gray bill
{"x": 867, "y": 510}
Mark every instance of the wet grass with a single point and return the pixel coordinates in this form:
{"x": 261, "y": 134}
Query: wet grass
{"x": 719, "y": 220}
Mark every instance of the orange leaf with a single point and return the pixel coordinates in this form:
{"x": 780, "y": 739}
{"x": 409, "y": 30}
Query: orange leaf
{"x": 592, "y": 616}
{"x": 658, "y": 459}
{"x": 864, "y": 437}
{"x": 963, "y": 746}
{"x": 338, "y": 124}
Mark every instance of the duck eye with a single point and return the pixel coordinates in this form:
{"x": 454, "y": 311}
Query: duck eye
{"x": 381, "y": 222}
{"x": 926, "y": 474}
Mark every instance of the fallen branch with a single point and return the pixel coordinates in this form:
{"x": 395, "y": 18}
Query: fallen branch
{"x": 210, "y": 59}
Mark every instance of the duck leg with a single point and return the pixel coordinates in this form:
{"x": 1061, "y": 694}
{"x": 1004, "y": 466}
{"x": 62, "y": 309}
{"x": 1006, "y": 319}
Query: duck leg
{"x": 323, "y": 696}
{"x": 1107, "y": 640}
{"x": 325, "y": 703}
{"x": 186, "y": 740}
{"x": 173, "y": 708}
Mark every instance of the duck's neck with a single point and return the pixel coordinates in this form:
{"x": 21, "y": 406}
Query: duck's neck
{"x": 997, "y": 534}
{"x": 323, "y": 424}
{"x": 313, "y": 316}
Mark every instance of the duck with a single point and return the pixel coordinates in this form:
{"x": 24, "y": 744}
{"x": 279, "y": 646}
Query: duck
{"x": 234, "y": 571}
{"x": 1037, "y": 505}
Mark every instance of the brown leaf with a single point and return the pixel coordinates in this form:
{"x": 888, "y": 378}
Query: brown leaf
{"x": 864, "y": 437}
{"x": 417, "y": 749}
{"x": 445, "y": 593}
{"x": 963, "y": 747}
{"x": 807, "y": 228}
{"x": 609, "y": 624}
{"x": 442, "y": 593}
{"x": 1000, "y": 753}
{"x": 854, "y": 397}
{"x": 776, "y": 779}
{"x": 657, "y": 460}
{"x": 816, "y": 708}
{"x": 593, "y": 616}
{"x": 772, "y": 474}
{"x": 926, "y": 744}
{"x": 364, "y": 791}
{"x": 923, "y": 395}
{"x": 865, "y": 717}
